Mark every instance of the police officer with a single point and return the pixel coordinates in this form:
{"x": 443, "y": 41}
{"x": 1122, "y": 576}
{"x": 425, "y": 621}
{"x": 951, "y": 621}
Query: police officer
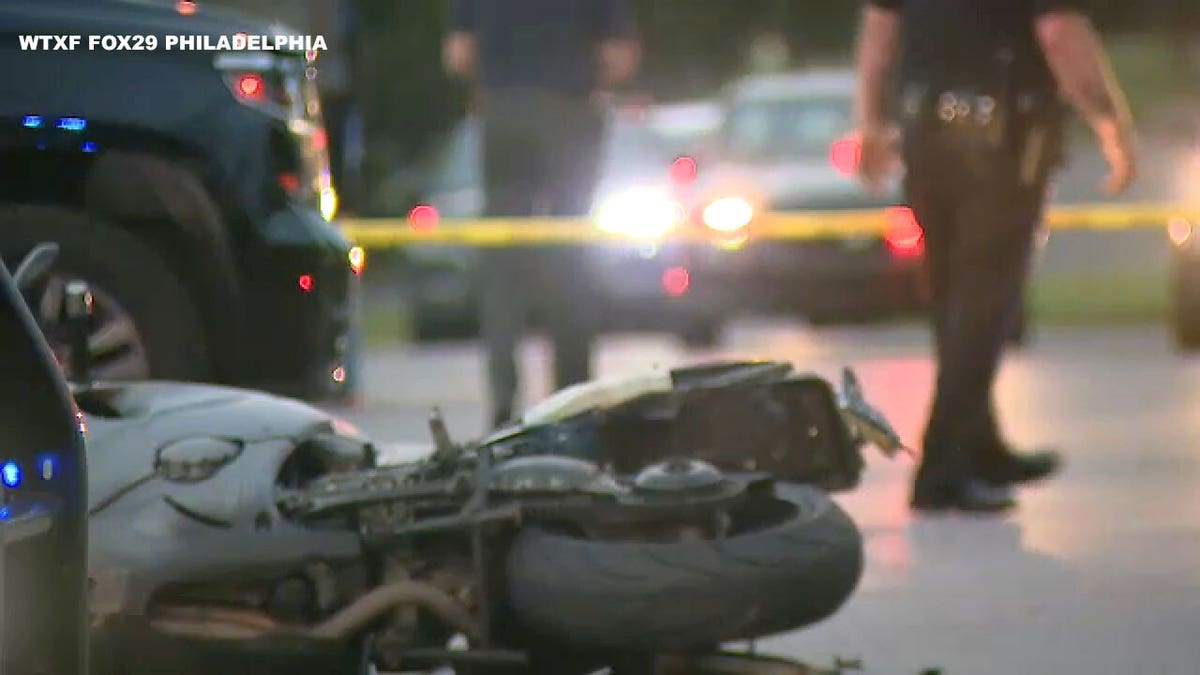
{"x": 541, "y": 67}
{"x": 981, "y": 111}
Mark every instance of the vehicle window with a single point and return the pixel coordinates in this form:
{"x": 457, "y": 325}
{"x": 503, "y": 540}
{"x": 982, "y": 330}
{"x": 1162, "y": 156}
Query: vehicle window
{"x": 779, "y": 129}
{"x": 686, "y": 128}
{"x": 634, "y": 146}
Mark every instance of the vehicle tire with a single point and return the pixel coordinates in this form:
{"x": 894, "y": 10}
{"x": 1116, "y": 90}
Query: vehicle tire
{"x": 1185, "y": 306}
{"x": 433, "y": 326}
{"x": 701, "y": 334}
{"x": 796, "y": 569}
{"x": 116, "y": 263}
{"x": 1186, "y": 330}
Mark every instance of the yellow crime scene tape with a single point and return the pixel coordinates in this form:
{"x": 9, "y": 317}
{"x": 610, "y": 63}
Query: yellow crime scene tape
{"x": 379, "y": 233}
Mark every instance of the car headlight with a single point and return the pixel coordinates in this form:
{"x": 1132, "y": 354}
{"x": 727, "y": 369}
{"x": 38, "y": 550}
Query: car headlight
{"x": 1180, "y": 231}
{"x": 642, "y": 213}
{"x": 728, "y": 214}
{"x": 329, "y": 203}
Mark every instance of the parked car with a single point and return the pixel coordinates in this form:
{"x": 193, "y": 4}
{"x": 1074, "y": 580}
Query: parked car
{"x": 190, "y": 189}
{"x": 782, "y": 147}
{"x": 638, "y": 282}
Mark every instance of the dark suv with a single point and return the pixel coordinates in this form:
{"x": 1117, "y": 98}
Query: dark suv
{"x": 191, "y": 190}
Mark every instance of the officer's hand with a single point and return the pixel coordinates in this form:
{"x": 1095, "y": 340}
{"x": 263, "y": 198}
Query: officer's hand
{"x": 879, "y": 156}
{"x": 1119, "y": 149}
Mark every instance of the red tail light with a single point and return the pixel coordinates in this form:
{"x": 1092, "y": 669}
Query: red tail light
{"x": 306, "y": 283}
{"x": 423, "y": 218}
{"x": 845, "y": 155}
{"x": 251, "y": 87}
{"x": 676, "y": 281}
{"x": 290, "y": 182}
{"x": 904, "y": 235}
{"x": 684, "y": 170}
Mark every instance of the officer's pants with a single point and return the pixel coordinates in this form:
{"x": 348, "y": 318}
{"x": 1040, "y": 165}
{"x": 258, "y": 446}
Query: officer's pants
{"x": 540, "y": 158}
{"x": 980, "y": 217}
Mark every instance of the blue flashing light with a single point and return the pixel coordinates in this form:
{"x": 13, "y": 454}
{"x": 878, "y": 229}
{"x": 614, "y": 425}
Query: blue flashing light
{"x": 89, "y": 146}
{"x": 5, "y": 513}
{"x": 31, "y": 121}
{"x": 47, "y": 466}
{"x": 10, "y": 473}
{"x": 72, "y": 123}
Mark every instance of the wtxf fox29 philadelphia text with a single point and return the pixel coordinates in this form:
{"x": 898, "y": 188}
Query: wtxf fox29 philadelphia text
{"x": 149, "y": 43}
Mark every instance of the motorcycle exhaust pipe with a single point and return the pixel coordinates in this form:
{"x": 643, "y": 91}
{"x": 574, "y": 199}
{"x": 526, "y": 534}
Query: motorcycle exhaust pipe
{"x": 214, "y": 623}
{"x": 225, "y": 623}
{"x": 379, "y": 601}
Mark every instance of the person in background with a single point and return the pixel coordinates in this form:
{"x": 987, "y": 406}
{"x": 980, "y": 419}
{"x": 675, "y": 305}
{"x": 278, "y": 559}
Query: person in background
{"x": 541, "y": 69}
{"x": 981, "y": 121}
{"x": 339, "y": 22}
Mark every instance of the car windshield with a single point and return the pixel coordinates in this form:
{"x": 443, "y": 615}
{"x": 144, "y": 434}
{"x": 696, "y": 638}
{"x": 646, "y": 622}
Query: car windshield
{"x": 780, "y": 129}
{"x": 634, "y": 147}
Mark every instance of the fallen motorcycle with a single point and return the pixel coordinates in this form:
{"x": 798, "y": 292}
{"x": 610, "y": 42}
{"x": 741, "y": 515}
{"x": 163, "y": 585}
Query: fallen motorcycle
{"x": 620, "y": 523}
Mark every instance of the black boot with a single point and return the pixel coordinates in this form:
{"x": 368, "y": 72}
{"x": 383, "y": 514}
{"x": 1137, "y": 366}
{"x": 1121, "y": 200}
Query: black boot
{"x": 1002, "y": 465}
{"x": 970, "y": 494}
{"x": 947, "y": 480}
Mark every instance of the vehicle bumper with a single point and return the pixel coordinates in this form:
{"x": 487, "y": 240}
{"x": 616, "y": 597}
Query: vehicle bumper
{"x": 624, "y": 282}
{"x": 303, "y": 309}
{"x": 630, "y": 282}
{"x": 855, "y": 278}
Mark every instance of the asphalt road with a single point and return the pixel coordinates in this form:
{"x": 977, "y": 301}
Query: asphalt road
{"x": 1097, "y": 572}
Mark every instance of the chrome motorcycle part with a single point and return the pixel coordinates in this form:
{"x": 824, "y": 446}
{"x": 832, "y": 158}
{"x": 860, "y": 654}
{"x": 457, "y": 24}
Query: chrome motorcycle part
{"x": 678, "y": 475}
{"x": 547, "y": 474}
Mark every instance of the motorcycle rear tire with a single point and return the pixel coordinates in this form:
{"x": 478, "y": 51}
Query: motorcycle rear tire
{"x": 634, "y": 595}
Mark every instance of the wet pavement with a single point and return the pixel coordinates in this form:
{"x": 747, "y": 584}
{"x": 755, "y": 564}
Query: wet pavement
{"x": 1098, "y": 571}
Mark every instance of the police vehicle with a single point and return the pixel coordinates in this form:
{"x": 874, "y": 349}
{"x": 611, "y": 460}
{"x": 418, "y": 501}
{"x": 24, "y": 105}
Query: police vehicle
{"x": 190, "y": 189}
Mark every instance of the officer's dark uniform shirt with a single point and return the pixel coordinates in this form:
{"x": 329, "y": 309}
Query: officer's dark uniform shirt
{"x": 548, "y": 44}
{"x": 947, "y": 44}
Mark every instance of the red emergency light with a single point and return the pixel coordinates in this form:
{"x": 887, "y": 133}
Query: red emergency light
{"x": 423, "y": 218}
{"x": 904, "y": 235}
{"x": 845, "y": 154}
{"x": 676, "y": 281}
{"x": 684, "y": 170}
